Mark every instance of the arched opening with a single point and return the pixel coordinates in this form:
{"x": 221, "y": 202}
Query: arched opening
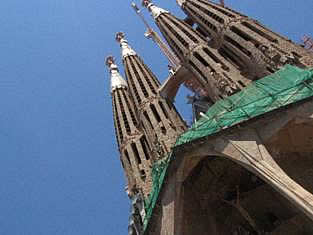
{"x": 222, "y": 197}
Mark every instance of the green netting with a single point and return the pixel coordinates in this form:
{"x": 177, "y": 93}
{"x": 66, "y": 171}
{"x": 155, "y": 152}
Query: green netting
{"x": 158, "y": 173}
{"x": 288, "y": 85}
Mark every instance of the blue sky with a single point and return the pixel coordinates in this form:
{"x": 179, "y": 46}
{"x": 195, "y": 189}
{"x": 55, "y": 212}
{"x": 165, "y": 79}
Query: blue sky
{"x": 59, "y": 166}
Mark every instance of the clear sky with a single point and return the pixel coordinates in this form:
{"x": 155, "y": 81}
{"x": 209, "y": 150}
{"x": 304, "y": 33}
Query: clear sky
{"x": 59, "y": 166}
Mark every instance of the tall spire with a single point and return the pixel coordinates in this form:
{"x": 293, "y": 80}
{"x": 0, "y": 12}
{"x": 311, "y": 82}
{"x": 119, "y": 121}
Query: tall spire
{"x": 243, "y": 38}
{"x": 143, "y": 84}
{"x": 159, "y": 118}
{"x": 135, "y": 152}
{"x": 218, "y": 75}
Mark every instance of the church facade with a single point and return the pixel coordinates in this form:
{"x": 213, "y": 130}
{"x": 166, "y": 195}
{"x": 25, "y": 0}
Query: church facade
{"x": 245, "y": 166}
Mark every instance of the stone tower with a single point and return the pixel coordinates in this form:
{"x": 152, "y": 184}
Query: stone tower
{"x": 246, "y": 166}
{"x": 219, "y": 75}
{"x": 159, "y": 118}
{"x": 242, "y": 40}
{"x": 136, "y": 155}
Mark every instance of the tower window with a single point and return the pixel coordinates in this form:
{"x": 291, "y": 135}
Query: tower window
{"x": 209, "y": 13}
{"x": 240, "y": 33}
{"x": 117, "y": 119}
{"x": 148, "y": 119}
{"x": 136, "y": 153}
{"x": 202, "y": 19}
{"x": 179, "y": 37}
{"x": 163, "y": 129}
{"x": 204, "y": 78}
{"x": 185, "y": 29}
{"x": 203, "y": 33}
{"x": 123, "y": 165}
{"x": 169, "y": 104}
{"x": 231, "y": 57}
{"x": 143, "y": 175}
{"x": 163, "y": 109}
{"x": 137, "y": 75}
{"x": 260, "y": 32}
{"x": 236, "y": 44}
{"x": 144, "y": 145}
{"x": 131, "y": 80}
{"x": 155, "y": 113}
{"x": 218, "y": 9}
{"x": 126, "y": 123}
{"x": 127, "y": 157}
{"x": 173, "y": 44}
{"x": 147, "y": 78}
{"x": 199, "y": 57}
{"x": 241, "y": 83}
{"x": 130, "y": 110}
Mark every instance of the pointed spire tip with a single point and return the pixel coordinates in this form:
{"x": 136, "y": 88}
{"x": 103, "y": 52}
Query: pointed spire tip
{"x": 145, "y": 3}
{"x": 180, "y": 2}
{"x": 109, "y": 60}
{"x": 119, "y": 36}
{"x": 154, "y": 10}
{"x": 126, "y": 49}
{"x": 117, "y": 81}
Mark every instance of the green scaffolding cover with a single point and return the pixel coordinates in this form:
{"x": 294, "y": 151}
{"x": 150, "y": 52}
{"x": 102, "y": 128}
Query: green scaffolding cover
{"x": 158, "y": 173}
{"x": 287, "y": 86}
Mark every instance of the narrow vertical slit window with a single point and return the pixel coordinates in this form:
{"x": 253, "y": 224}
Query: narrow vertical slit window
{"x": 236, "y": 44}
{"x": 155, "y": 113}
{"x": 127, "y": 157}
{"x": 132, "y": 114}
{"x": 136, "y": 153}
{"x": 143, "y": 175}
{"x": 163, "y": 109}
{"x": 199, "y": 57}
{"x": 125, "y": 120}
{"x": 260, "y": 32}
{"x": 197, "y": 70}
{"x": 203, "y": 20}
{"x": 138, "y": 78}
{"x": 148, "y": 119}
{"x": 209, "y": 13}
{"x": 131, "y": 80}
{"x": 182, "y": 26}
{"x": 118, "y": 123}
{"x": 231, "y": 57}
{"x": 218, "y": 9}
{"x": 144, "y": 145}
{"x": 146, "y": 76}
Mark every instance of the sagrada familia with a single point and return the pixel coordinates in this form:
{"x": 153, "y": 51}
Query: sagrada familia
{"x": 245, "y": 165}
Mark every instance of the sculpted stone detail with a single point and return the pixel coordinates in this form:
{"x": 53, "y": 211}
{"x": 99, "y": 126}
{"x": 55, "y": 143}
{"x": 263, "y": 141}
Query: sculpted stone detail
{"x": 204, "y": 61}
{"x": 134, "y": 151}
{"x": 245, "y": 38}
{"x": 252, "y": 176}
{"x": 156, "y": 115}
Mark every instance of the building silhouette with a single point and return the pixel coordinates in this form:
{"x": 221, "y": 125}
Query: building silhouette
{"x": 245, "y": 166}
